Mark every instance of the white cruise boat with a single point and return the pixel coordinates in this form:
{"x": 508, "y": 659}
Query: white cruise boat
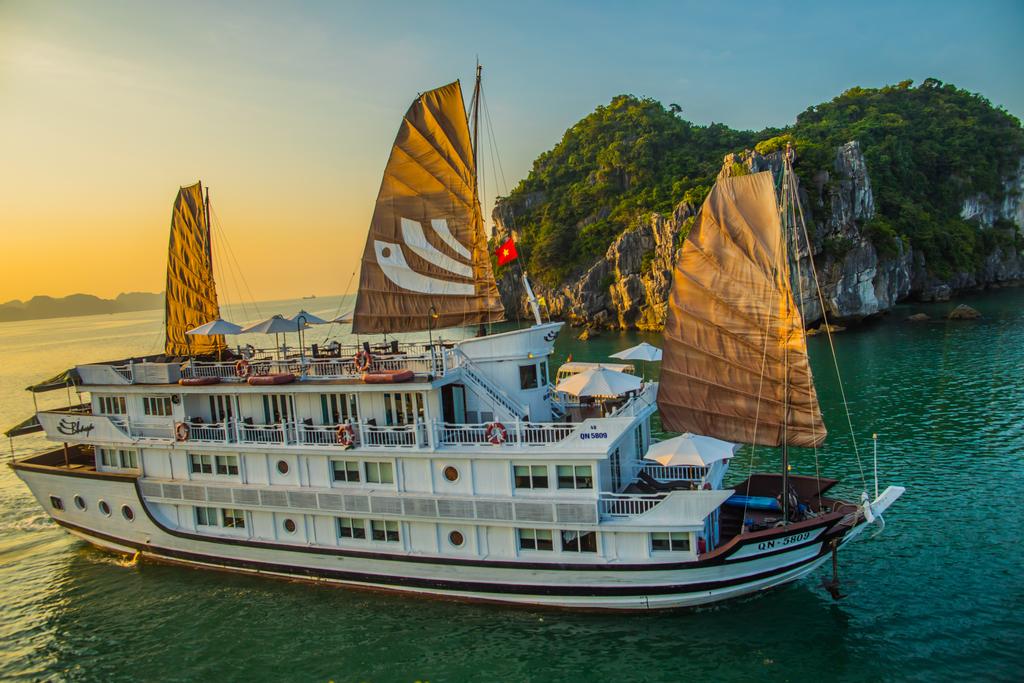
{"x": 451, "y": 469}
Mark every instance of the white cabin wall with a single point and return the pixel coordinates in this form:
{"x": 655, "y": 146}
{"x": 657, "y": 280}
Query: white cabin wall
{"x": 263, "y": 525}
{"x": 289, "y": 478}
{"x": 415, "y": 475}
{"x": 469, "y": 536}
{"x": 501, "y": 541}
{"x": 421, "y": 537}
{"x": 492, "y": 478}
{"x": 463, "y": 486}
{"x": 156, "y": 463}
{"x": 255, "y": 468}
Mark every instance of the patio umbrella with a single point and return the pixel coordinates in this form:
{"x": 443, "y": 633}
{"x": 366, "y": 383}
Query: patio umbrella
{"x": 599, "y": 382}
{"x": 218, "y": 326}
{"x": 690, "y": 449}
{"x": 643, "y": 352}
{"x": 308, "y": 318}
{"x": 274, "y": 325}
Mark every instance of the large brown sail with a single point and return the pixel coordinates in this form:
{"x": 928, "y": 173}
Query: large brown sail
{"x": 734, "y": 338}
{"x": 191, "y": 296}
{"x": 426, "y": 262}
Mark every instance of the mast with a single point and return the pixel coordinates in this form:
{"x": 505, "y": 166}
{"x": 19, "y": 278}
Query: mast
{"x": 787, "y": 216}
{"x": 475, "y": 106}
{"x": 209, "y": 229}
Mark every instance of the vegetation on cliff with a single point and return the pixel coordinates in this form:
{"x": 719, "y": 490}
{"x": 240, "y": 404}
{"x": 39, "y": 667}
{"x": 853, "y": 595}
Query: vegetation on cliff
{"x": 625, "y": 159}
{"x": 928, "y": 148}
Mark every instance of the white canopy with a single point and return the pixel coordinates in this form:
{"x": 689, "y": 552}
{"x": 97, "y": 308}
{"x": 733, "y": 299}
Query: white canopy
{"x": 599, "y": 382}
{"x": 277, "y": 324}
{"x": 308, "y": 318}
{"x": 344, "y": 318}
{"x": 642, "y": 351}
{"x": 690, "y": 449}
{"x": 218, "y": 326}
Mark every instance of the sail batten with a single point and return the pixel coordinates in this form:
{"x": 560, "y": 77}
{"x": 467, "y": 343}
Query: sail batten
{"x": 735, "y": 363}
{"x": 426, "y": 263}
{"x": 191, "y": 293}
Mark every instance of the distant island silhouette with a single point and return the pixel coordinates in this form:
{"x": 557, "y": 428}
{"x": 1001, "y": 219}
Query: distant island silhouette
{"x": 39, "y": 307}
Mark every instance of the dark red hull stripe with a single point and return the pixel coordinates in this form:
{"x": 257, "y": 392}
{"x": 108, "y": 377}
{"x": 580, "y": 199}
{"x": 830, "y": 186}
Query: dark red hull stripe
{"x": 438, "y": 584}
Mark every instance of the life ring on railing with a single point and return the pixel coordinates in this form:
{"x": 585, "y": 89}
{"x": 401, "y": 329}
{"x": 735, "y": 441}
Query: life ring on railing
{"x": 242, "y": 368}
{"x": 495, "y": 433}
{"x": 346, "y": 435}
{"x": 181, "y": 431}
{"x": 363, "y": 360}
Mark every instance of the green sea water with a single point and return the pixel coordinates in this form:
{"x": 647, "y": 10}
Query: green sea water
{"x": 938, "y": 596}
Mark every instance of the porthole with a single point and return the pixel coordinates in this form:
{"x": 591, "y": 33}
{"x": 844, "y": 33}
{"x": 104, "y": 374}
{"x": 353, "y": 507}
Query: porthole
{"x": 80, "y": 503}
{"x": 104, "y": 508}
{"x": 289, "y": 526}
{"x": 127, "y": 513}
{"x": 56, "y": 503}
{"x": 451, "y": 473}
{"x": 282, "y": 467}
{"x": 456, "y": 539}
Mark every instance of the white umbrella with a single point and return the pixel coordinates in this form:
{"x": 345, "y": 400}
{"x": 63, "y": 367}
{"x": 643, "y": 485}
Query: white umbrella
{"x": 690, "y": 449}
{"x": 218, "y": 326}
{"x": 274, "y": 325}
{"x": 599, "y": 382}
{"x": 308, "y": 318}
{"x": 277, "y": 324}
{"x": 344, "y": 317}
{"x": 642, "y": 352}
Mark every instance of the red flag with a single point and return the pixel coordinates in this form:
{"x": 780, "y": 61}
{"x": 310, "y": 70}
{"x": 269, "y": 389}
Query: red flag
{"x": 507, "y": 252}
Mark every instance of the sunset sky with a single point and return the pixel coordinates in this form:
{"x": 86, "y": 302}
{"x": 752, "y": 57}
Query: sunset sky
{"x": 288, "y": 114}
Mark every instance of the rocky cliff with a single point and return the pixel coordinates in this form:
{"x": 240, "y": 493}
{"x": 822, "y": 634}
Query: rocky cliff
{"x": 628, "y": 286}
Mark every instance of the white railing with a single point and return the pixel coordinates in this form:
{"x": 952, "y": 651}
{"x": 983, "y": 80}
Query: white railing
{"x": 150, "y": 428}
{"x": 516, "y": 433}
{"x": 317, "y": 435}
{"x": 309, "y": 367}
{"x": 210, "y": 433}
{"x": 671, "y": 472}
{"x": 627, "y": 504}
{"x": 251, "y": 433}
{"x": 401, "y": 436}
{"x": 490, "y": 389}
{"x": 125, "y": 371}
{"x": 636, "y": 403}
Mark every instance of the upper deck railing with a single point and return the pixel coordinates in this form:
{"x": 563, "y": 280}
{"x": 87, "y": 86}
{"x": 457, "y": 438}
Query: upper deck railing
{"x": 313, "y": 368}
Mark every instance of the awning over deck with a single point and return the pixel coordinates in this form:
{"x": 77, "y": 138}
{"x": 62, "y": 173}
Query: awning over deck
{"x": 68, "y": 378}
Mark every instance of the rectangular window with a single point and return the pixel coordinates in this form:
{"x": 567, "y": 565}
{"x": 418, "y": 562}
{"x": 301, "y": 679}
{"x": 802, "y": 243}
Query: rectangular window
{"x": 200, "y": 464}
{"x": 535, "y": 539}
{"x": 232, "y": 518}
{"x": 206, "y": 516}
{"x": 338, "y": 408}
{"x": 403, "y": 408}
{"x": 345, "y": 470}
{"x": 221, "y": 409}
{"x": 112, "y": 405}
{"x": 579, "y": 541}
{"x": 380, "y": 473}
{"x": 528, "y": 376}
{"x": 674, "y": 540}
{"x": 157, "y": 405}
{"x": 107, "y": 457}
{"x": 544, "y": 381}
{"x": 128, "y": 459}
{"x": 227, "y": 464}
{"x": 575, "y": 477}
{"x": 531, "y": 476}
{"x": 384, "y": 531}
{"x": 349, "y": 527}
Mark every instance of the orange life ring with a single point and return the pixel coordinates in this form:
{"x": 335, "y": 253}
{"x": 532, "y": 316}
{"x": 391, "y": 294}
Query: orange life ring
{"x": 242, "y": 368}
{"x": 346, "y": 435}
{"x": 363, "y": 360}
{"x": 181, "y": 431}
{"x": 495, "y": 433}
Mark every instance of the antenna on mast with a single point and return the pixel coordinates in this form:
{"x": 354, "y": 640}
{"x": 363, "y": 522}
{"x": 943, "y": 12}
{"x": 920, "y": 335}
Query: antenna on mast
{"x": 475, "y": 119}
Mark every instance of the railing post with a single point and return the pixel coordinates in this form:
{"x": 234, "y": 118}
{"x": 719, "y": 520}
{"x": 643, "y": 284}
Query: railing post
{"x": 519, "y": 432}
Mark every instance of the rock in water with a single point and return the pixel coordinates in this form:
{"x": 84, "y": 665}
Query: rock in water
{"x": 919, "y": 317}
{"x": 964, "y": 312}
{"x": 589, "y": 333}
{"x": 823, "y": 328}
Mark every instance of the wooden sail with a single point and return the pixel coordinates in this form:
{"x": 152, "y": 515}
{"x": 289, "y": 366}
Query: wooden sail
{"x": 735, "y": 362}
{"x": 191, "y": 295}
{"x": 426, "y": 263}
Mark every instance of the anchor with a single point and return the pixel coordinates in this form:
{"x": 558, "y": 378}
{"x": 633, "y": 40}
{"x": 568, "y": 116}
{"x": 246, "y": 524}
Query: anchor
{"x": 833, "y": 586}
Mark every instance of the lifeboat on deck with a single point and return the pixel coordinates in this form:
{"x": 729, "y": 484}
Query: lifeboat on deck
{"x": 272, "y": 379}
{"x": 388, "y": 376}
{"x": 198, "y": 381}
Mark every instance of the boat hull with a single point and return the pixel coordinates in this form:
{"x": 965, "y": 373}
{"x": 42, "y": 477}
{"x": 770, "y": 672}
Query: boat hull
{"x": 764, "y": 561}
